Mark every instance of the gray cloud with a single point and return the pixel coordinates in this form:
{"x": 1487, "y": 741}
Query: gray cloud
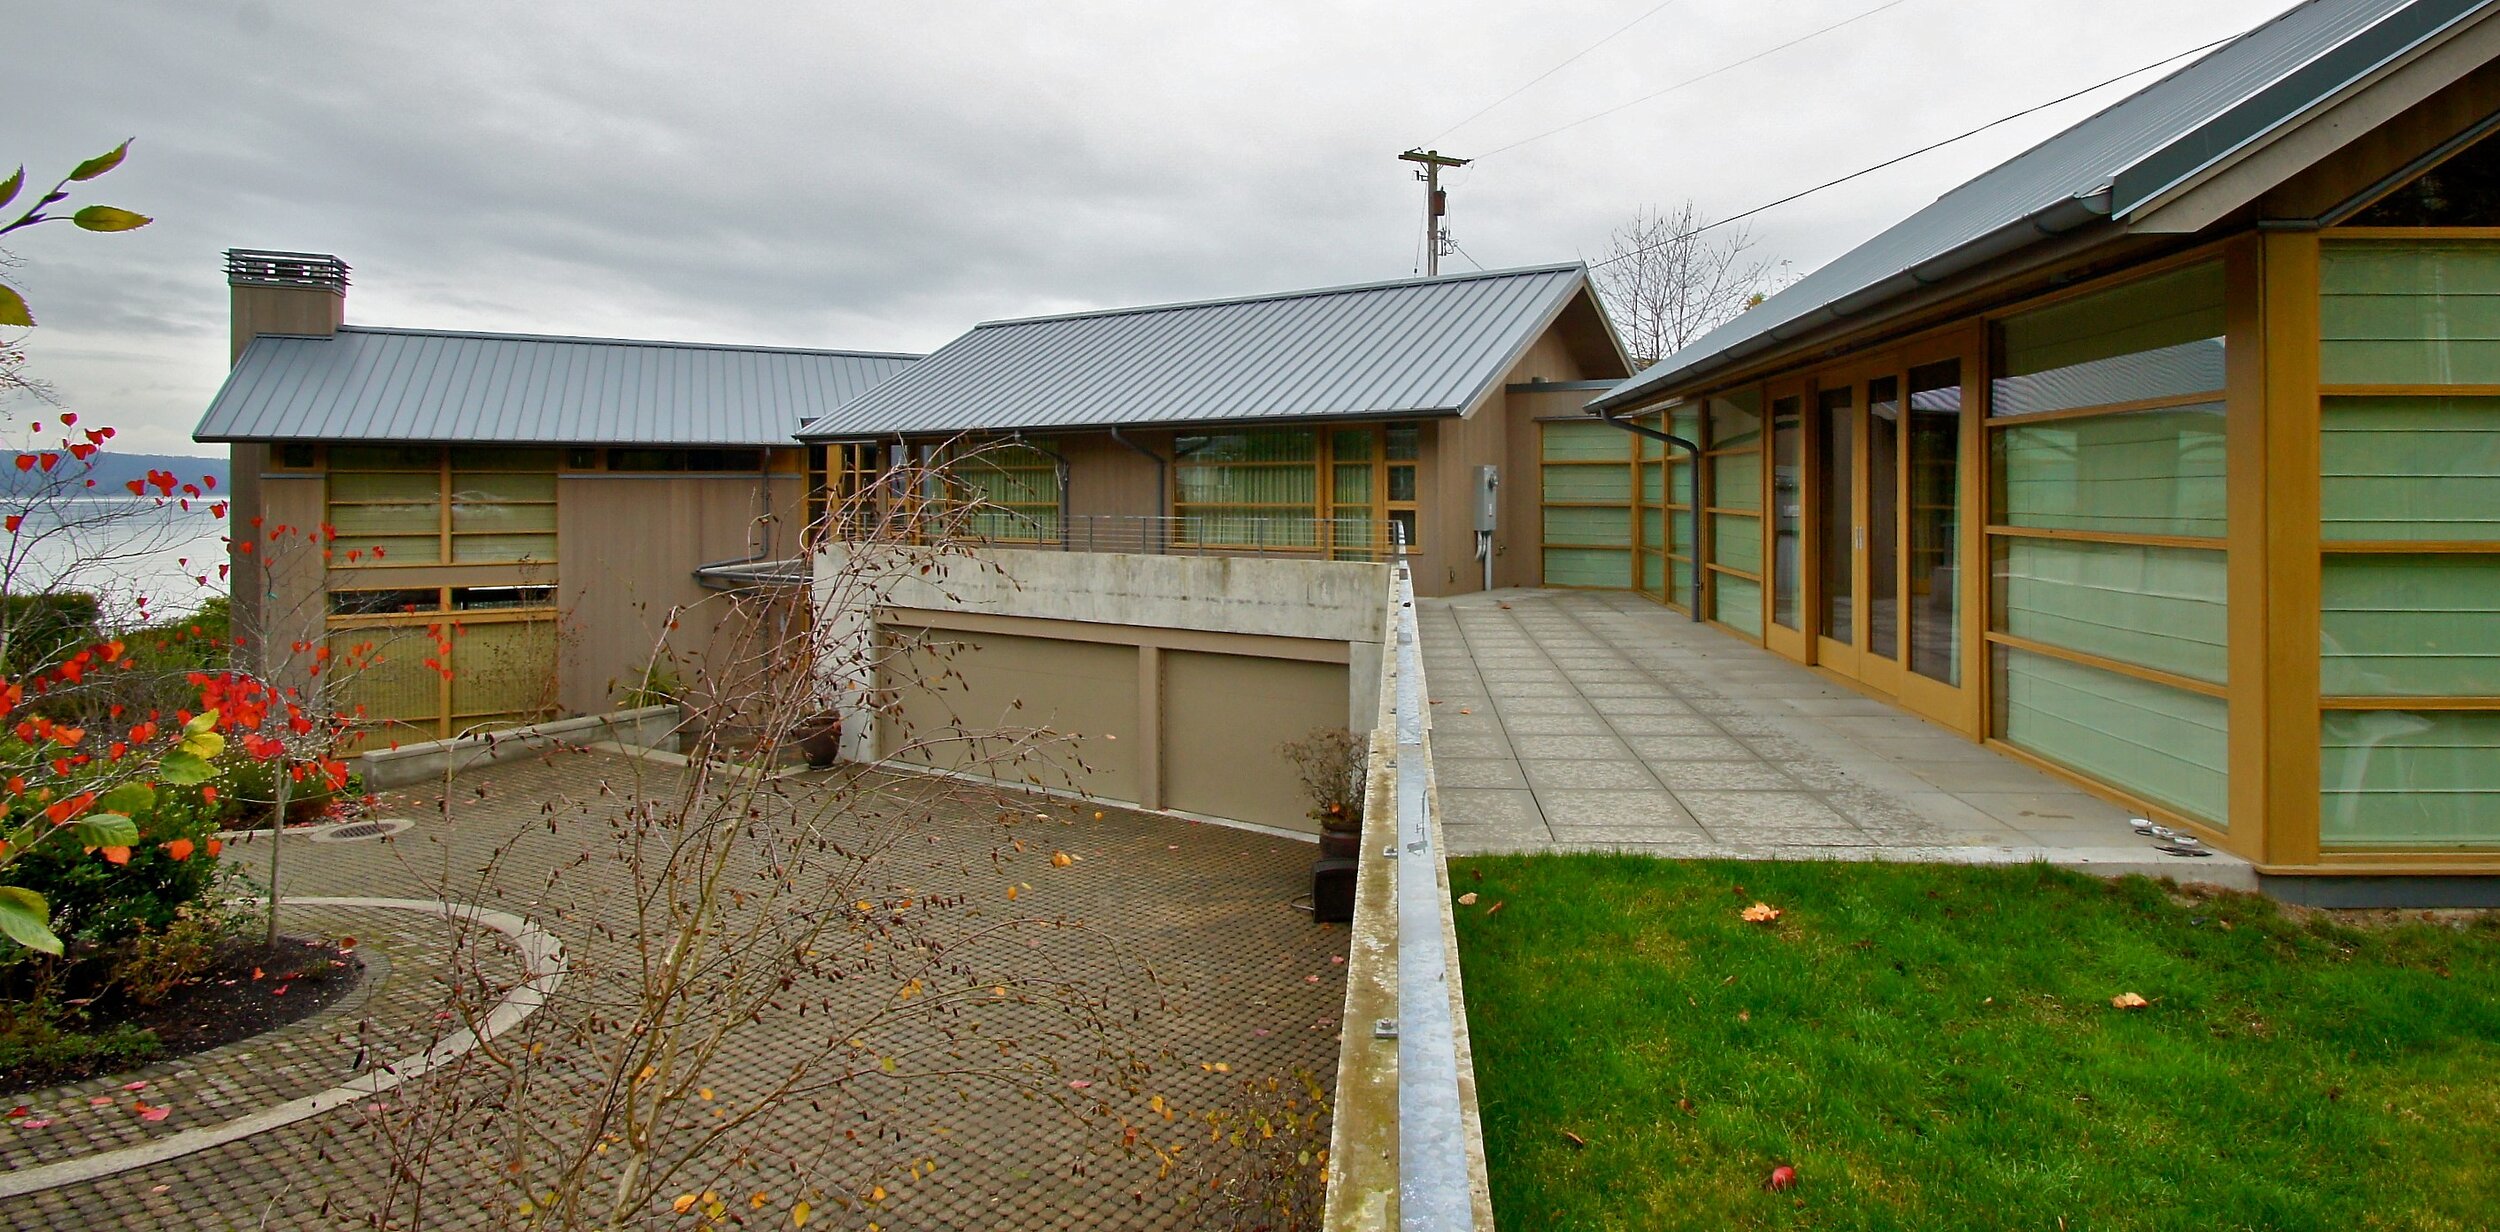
{"x": 883, "y": 176}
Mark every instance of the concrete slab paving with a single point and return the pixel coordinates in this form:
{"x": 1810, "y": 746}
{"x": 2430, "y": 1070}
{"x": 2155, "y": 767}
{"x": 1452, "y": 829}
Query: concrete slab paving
{"x": 1618, "y": 725}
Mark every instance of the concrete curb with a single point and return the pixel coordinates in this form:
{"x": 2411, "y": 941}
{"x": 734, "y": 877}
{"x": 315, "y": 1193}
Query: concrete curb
{"x": 542, "y": 957}
{"x": 417, "y": 763}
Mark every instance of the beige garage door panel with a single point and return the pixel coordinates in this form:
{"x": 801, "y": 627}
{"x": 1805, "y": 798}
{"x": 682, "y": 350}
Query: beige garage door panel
{"x": 1224, "y": 715}
{"x": 1081, "y": 689}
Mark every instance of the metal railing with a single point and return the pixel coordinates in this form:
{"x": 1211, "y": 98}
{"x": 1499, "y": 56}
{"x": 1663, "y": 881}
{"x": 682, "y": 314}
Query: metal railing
{"x": 1188, "y": 534}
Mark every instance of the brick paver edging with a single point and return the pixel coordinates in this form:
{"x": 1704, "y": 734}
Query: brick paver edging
{"x": 542, "y": 958}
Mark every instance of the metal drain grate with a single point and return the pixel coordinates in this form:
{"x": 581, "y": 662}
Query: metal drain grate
{"x": 360, "y": 831}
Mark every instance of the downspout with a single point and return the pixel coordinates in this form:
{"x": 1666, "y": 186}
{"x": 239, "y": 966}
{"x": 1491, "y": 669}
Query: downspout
{"x": 1693, "y": 452}
{"x": 1163, "y": 489}
{"x": 1062, "y": 461}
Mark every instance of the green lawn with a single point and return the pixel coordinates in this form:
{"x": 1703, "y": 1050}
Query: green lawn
{"x": 1935, "y": 1047}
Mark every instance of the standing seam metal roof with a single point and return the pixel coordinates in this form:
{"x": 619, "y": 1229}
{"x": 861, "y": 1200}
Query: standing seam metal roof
{"x": 368, "y": 384}
{"x": 2108, "y": 165}
{"x": 1414, "y": 347}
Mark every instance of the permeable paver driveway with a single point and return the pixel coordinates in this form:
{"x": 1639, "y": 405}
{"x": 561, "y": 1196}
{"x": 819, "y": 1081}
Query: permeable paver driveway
{"x": 1577, "y": 720}
{"x": 1244, "y": 987}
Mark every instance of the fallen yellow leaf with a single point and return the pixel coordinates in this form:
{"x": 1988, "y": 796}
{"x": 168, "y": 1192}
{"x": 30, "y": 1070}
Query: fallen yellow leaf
{"x": 1061, "y": 859}
{"x": 684, "y": 1203}
{"x": 1467, "y": 899}
{"x": 798, "y": 1215}
{"x": 2129, "y": 1001}
{"x": 1760, "y": 913}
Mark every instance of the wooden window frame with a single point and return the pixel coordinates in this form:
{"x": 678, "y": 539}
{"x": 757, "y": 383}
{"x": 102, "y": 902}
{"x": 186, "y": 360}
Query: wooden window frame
{"x": 446, "y": 500}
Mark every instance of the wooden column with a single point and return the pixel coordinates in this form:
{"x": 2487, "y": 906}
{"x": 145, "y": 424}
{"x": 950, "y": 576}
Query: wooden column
{"x": 2289, "y": 612}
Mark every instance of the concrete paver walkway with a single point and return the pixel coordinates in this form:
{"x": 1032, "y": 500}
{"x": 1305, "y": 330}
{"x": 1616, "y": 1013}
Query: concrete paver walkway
{"x": 1578, "y": 720}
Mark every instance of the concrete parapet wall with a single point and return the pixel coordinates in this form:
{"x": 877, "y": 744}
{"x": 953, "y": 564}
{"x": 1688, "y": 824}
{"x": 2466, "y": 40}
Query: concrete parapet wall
{"x": 647, "y": 727}
{"x": 1334, "y": 600}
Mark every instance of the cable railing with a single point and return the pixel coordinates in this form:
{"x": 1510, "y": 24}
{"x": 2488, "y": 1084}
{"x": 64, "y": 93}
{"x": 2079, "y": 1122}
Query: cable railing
{"x": 1188, "y": 534}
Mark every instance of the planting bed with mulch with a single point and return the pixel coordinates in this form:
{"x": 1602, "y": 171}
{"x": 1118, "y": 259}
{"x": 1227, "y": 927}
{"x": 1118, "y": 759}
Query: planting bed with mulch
{"x": 247, "y": 989}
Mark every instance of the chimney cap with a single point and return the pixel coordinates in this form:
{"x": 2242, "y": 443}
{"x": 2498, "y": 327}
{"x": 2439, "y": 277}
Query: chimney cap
{"x": 261, "y": 267}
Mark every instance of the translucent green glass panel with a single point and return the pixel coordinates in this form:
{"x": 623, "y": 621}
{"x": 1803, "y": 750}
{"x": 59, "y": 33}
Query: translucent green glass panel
{"x": 1736, "y": 542}
{"x": 2154, "y": 338}
{"x": 2409, "y": 312}
{"x": 2394, "y": 778}
{"x": 1654, "y": 529}
{"x": 1679, "y": 483}
{"x": 1653, "y": 483}
{"x": 2410, "y": 468}
{"x": 1592, "y": 441}
{"x": 1351, "y": 445}
{"x": 1736, "y": 481}
{"x": 499, "y": 549}
{"x": 1596, "y": 567}
{"x": 1653, "y": 572}
{"x": 391, "y": 682}
{"x": 2161, "y": 608}
{"x": 385, "y": 458}
{"x": 424, "y": 487}
{"x": 1737, "y": 603}
{"x": 2166, "y": 745}
{"x": 2149, "y": 472}
{"x": 1607, "y": 527}
{"x": 1680, "y": 533}
{"x": 425, "y": 549}
{"x": 1680, "y": 583}
{"x": 1683, "y": 420}
{"x": 1566, "y": 483}
{"x": 2410, "y": 626}
{"x": 503, "y": 668}
{"x": 361, "y": 520}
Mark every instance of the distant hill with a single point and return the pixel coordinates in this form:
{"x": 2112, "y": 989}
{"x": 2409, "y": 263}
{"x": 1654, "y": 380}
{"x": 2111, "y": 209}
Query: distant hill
{"x": 113, "y": 470}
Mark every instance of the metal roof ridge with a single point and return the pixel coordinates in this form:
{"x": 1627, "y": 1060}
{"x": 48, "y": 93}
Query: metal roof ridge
{"x": 1351, "y": 288}
{"x": 578, "y": 340}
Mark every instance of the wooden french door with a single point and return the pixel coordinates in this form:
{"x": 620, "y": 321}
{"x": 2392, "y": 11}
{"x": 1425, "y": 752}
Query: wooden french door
{"x": 1852, "y": 476}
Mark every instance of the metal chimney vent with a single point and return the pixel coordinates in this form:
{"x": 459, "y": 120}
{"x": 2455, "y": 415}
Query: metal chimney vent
{"x": 252, "y": 267}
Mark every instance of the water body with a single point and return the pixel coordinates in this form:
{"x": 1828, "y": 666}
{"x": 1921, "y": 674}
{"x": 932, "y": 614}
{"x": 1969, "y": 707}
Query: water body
{"x": 121, "y": 549}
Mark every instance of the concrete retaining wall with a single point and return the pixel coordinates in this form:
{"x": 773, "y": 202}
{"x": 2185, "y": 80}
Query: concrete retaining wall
{"x": 646, "y": 727}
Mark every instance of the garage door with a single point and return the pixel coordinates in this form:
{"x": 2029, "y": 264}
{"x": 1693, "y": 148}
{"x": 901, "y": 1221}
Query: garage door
{"x": 1224, "y": 715}
{"x": 961, "y": 684}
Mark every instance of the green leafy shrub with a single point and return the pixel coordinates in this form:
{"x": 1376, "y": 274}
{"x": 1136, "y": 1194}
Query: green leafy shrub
{"x": 94, "y": 900}
{"x": 46, "y": 628}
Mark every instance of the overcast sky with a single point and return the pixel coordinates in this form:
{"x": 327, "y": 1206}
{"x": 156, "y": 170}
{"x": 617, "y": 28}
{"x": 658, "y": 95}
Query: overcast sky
{"x": 883, "y": 176}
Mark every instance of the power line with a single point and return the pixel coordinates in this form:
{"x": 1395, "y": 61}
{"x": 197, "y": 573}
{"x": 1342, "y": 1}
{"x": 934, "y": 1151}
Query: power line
{"x": 1574, "y": 58}
{"x": 1938, "y": 145}
{"x": 1724, "y": 68}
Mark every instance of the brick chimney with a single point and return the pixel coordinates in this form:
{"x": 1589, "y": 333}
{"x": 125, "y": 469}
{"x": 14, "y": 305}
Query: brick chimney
{"x": 300, "y": 293}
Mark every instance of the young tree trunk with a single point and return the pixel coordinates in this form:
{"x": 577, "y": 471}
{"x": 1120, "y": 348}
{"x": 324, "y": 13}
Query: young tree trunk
{"x": 277, "y": 830}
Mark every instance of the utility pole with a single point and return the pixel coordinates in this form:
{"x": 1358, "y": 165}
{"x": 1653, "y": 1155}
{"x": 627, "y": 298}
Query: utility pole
{"x": 1436, "y": 202}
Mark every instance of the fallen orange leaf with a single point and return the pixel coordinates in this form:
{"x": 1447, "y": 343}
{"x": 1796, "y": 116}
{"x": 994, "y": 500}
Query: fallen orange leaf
{"x": 1760, "y": 913}
{"x": 2129, "y": 1001}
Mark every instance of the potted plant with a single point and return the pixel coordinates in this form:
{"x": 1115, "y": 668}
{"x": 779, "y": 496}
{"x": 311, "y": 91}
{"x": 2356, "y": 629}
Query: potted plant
{"x": 1330, "y": 762}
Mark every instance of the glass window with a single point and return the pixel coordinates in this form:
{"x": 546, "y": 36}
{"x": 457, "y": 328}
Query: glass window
{"x": 293, "y": 455}
{"x": 385, "y": 602}
{"x": 2424, "y": 468}
{"x": 2397, "y": 778}
{"x": 2461, "y": 192}
{"x": 1247, "y": 489}
{"x": 1736, "y": 419}
{"x": 1935, "y": 482}
{"x": 1787, "y": 510}
{"x": 1737, "y": 603}
{"x": 2409, "y": 312}
{"x": 2145, "y": 472}
{"x": 388, "y": 504}
{"x": 2157, "y": 337}
{"x": 1010, "y": 492}
{"x": 493, "y": 598}
{"x": 2410, "y": 626}
{"x": 2167, "y": 745}
{"x": 2162, "y": 608}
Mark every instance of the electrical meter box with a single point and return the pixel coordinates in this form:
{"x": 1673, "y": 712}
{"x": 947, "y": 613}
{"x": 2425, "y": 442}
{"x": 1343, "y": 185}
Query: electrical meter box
{"x": 1488, "y": 498}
